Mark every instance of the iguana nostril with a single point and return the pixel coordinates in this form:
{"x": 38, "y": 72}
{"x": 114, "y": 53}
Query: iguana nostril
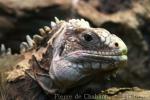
{"x": 116, "y": 44}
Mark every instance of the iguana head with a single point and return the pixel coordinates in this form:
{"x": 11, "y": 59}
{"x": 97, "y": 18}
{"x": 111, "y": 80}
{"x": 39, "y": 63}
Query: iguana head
{"x": 79, "y": 51}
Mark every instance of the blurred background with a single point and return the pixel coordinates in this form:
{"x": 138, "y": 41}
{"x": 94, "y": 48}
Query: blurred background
{"x": 129, "y": 19}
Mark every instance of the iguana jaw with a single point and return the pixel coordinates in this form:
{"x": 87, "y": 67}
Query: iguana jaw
{"x": 102, "y": 56}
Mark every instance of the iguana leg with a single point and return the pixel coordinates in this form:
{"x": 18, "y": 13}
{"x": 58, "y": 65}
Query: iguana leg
{"x": 37, "y": 66}
{"x": 46, "y": 83}
{"x": 41, "y": 76}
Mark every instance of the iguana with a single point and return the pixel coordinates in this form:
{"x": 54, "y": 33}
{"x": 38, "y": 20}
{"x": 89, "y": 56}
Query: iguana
{"x": 67, "y": 55}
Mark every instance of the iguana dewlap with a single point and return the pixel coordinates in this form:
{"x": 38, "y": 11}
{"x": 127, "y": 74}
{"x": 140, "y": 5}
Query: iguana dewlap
{"x": 71, "y": 54}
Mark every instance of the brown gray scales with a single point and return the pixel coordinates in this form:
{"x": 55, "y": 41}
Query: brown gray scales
{"x": 70, "y": 54}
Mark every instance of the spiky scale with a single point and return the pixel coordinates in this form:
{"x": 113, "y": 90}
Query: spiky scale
{"x": 57, "y": 20}
{"x": 47, "y": 29}
{"x": 9, "y": 51}
{"x": 2, "y": 49}
{"x": 42, "y": 32}
{"x": 53, "y": 24}
{"x": 60, "y": 30}
{"x": 37, "y": 38}
{"x": 30, "y": 41}
{"x": 24, "y": 47}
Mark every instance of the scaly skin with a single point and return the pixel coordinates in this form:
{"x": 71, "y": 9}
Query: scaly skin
{"x": 72, "y": 54}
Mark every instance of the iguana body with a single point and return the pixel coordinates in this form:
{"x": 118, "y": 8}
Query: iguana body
{"x": 69, "y": 55}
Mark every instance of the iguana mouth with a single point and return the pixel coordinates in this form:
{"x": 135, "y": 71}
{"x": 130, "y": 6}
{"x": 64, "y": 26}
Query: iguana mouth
{"x": 100, "y": 53}
{"x": 97, "y": 56}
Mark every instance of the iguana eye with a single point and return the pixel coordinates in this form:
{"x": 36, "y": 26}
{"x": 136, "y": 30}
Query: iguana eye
{"x": 87, "y": 37}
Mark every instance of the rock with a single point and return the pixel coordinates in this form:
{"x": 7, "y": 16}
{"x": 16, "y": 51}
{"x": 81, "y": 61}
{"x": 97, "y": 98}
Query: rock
{"x": 124, "y": 94}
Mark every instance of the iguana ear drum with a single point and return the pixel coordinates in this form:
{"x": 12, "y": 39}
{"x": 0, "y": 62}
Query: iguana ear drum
{"x": 61, "y": 50}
